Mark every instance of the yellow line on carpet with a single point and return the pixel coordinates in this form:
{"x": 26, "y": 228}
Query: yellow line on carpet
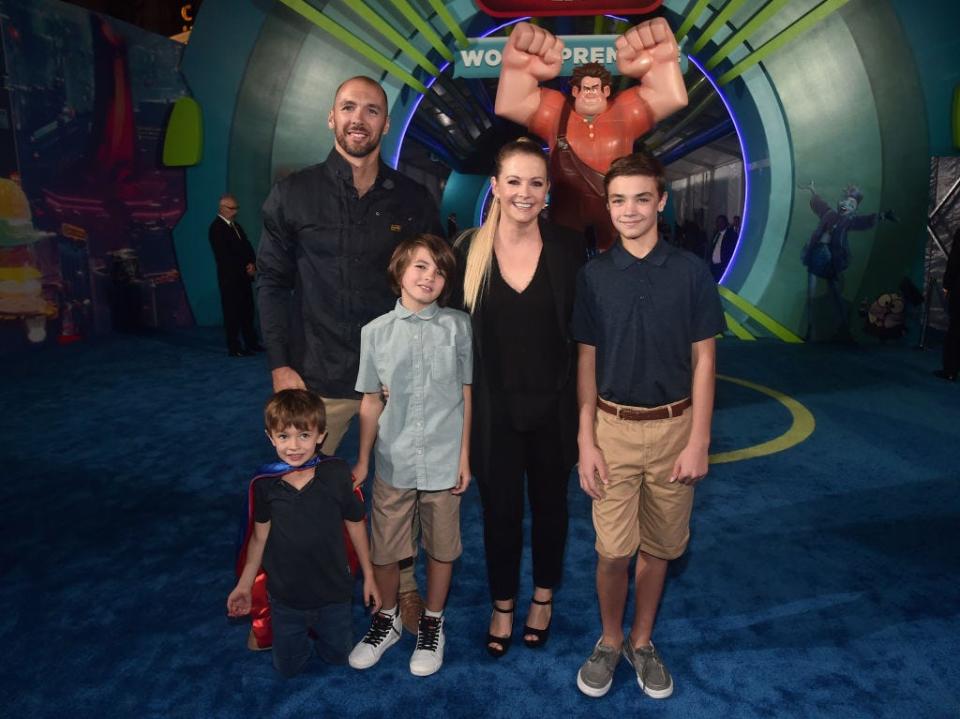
{"x": 800, "y": 428}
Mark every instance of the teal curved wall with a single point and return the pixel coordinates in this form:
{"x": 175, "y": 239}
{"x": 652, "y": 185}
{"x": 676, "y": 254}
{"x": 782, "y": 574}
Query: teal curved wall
{"x": 460, "y": 196}
{"x": 840, "y": 104}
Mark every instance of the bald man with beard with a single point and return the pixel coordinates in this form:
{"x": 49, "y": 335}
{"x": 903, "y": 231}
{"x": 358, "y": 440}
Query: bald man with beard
{"x": 328, "y": 233}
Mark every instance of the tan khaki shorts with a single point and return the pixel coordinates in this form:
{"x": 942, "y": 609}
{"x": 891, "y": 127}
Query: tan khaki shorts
{"x": 391, "y": 523}
{"x": 642, "y": 509}
{"x": 339, "y": 414}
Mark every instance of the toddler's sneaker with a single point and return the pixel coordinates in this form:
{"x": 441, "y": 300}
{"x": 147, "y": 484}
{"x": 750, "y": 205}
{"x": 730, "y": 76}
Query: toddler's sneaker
{"x": 428, "y": 656}
{"x": 383, "y": 633}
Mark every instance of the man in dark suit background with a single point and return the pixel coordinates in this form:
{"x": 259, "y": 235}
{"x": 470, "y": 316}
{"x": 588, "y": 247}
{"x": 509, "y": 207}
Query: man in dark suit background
{"x": 236, "y": 267}
{"x": 951, "y": 291}
{"x": 721, "y": 247}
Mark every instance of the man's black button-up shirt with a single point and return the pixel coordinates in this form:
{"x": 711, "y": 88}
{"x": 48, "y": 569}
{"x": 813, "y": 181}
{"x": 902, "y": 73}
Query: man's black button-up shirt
{"x": 322, "y": 266}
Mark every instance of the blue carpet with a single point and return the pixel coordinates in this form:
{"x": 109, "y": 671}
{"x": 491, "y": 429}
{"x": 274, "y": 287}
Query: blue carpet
{"x": 820, "y": 581}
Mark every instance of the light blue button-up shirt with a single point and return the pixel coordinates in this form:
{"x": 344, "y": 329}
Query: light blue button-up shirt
{"x": 424, "y": 359}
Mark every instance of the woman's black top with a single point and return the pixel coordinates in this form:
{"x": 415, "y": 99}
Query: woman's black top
{"x": 561, "y": 257}
{"x": 525, "y": 348}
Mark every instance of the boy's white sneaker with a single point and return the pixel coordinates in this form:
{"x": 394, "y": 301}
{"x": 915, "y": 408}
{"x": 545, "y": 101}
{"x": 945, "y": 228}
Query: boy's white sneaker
{"x": 383, "y": 633}
{"x": 428, "y": 656}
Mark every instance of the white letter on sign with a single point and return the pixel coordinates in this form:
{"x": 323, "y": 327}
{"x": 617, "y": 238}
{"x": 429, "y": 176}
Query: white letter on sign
{"x": 493, "y": 57}
{"x": 471, "y": 58}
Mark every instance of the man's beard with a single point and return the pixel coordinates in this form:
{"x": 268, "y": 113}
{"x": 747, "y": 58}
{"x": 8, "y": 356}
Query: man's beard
{"x": 362, "y": 149}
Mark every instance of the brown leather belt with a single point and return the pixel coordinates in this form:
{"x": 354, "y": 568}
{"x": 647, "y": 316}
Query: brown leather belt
{"x": 639, "y": 414}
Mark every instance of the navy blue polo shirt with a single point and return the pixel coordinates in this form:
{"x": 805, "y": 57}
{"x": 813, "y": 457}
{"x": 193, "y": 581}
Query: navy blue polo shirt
{"x": 643, "y": 315}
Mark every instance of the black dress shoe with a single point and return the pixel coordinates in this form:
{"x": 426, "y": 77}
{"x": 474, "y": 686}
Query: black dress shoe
{"x": 235, "y": 353}
{"x": 942, "y": 374}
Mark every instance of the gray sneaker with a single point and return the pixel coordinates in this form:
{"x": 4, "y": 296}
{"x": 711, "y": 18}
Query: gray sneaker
{"x": 652, "y": 675}
{"x": 596, "y": 674}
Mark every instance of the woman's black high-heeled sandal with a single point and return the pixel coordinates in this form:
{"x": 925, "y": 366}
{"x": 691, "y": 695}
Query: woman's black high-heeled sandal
{"x": 498, "y": 651}
{"x": 542, "y": 635}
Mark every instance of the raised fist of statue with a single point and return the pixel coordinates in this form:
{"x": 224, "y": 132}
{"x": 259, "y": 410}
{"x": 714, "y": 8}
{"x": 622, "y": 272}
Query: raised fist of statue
{"x": 534, "y": 50}
{"x": 645, "y": 45}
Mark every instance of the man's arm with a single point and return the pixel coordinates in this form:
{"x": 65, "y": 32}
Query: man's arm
{"x": 952, "y": 271}
{"x": 648, "y": 52}
{"x": 371, "y": 407}
{"x": 531, "y": 56}
{"x": 238, "y": 603}
{"x": 249, "y": 256}
{"x": 591, "y": 464}
{"x": 219, "y": 245}
{"x": 691, "y": 465}
{"x": 276, "y": 263}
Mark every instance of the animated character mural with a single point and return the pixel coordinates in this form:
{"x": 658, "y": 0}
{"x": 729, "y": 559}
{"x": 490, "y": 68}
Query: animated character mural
{"x": 885, "y": 316}
{"x": 88, "y": 211}
{"x": 826, "y": 254}
{"x": 22, "y": 297}
{"x": 589, "y": 130}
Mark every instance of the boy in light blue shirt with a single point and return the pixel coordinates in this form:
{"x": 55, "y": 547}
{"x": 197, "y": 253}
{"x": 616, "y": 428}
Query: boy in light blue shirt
{"x": 423, "y": 354}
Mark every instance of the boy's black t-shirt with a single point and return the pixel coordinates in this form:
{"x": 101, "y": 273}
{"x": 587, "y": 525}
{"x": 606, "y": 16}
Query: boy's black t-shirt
{"x": 305, "y": 557}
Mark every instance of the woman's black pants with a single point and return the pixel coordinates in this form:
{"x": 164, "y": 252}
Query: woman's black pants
{"x": 534, "y": 456}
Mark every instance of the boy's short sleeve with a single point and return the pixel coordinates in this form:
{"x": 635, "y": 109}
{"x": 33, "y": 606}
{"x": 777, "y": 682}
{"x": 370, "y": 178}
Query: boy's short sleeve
{"x": 351, "y": 508}
{"x": 465, "y": 350}
{"x": 368, "y": 380}
{"x": 261, "y": 507}
{"x": 583, "y": 324}
{"x": 707, "y": 319}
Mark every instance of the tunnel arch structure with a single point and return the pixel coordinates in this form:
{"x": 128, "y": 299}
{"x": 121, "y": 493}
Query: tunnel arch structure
{"x": 842, "y": 103}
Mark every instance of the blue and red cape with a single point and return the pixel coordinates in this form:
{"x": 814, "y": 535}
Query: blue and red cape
{"x": 260, "y": 606}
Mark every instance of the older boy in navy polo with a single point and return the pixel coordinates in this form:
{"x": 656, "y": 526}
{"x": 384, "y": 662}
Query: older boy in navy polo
{"x": 646, "y": 314}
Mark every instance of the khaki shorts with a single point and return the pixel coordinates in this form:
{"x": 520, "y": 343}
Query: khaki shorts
{"x": 339, "y": 414}
{"x": 642, "y": 509}
{"x": 391, "y": 523}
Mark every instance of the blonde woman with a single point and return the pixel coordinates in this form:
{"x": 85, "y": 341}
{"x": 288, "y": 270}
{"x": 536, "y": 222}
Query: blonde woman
{"x": 519, "y": 275}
